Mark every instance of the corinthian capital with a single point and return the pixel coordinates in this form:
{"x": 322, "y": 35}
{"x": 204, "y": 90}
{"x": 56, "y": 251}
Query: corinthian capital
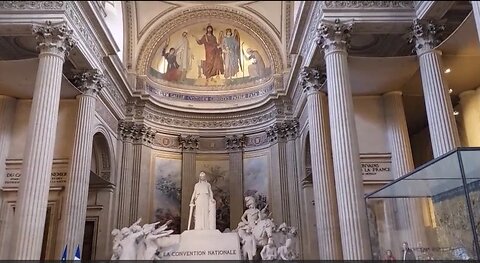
{"x": 188, "y": 142}
{"x": 425, "y": 35}
{"x": 89, "y": 82}
{"x": 334, "y": 36}
{"x": 56, "y": 39}
{"x": 312, "y": 79}
{"x": 235, "y": 142}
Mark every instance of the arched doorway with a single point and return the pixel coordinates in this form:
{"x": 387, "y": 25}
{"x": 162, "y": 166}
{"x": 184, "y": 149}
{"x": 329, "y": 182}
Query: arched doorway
{"x": 99, "y": 204}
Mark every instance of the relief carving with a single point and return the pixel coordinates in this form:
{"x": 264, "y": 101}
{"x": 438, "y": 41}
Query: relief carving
{"x": 368, "y": 4}
{"x": 312, "y": 79}
{"x": 235, "y": 142}
{"x": 425, "y": 35}
{"x": 188, "y": 142}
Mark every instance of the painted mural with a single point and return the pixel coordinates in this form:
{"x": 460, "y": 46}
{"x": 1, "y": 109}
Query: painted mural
{"x": 255, "y": 179}
{"x": 213, "y": 54}
{"x": 218, "y": 177}
{"x": 168, "y": 193}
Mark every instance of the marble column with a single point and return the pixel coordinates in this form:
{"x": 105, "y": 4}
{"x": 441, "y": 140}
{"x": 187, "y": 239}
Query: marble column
{"x": 234, "y": 145}
{"x": 410, "y": 214}
{"x": 72, "y": 222}
{"x": 310, "y": 247}
{"x": 142, "y": 136}
{"x": 189, "y": 145}
{"x": 470, "y": 105}
{"x": 54, "y": 42}
{"x": 476, "y": 15}
{"x": 142, "y": 152}
{"x": 7, "y": 112}
{"x": 126, "y": 130}
{"x": 334, "y": 38}
{"x": 326, "y": 212}
{"x": 441, "y": 121}
{"x": 293, "y": 180}
{"x": 279, "y": 180}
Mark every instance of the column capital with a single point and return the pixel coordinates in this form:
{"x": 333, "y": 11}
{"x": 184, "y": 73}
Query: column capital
{"x": 312, "y": 79}
{"x": 125, "y": 129}
{"x": 334, "y": 36}
{"x": 55, "y": 39}
{"x": 235, "y": 142}
{"x": 425, "y": 35}
{"x": 188, "y": 142}
{"x": 143, "y": 133}
{"x": 89, "y": 82}
{"x": 286, "y": 130}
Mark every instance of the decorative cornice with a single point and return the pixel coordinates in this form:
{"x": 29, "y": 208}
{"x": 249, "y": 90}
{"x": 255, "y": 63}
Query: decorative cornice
{"x": 205, "y": 13}
{"x": 368, "y": 4}
{"x": 334, "y": 37}
{"x": 56, "y": 39}
{"x": 312, "y": 29}
{"x": 425, "y": 35}
{"x": 235, "y": 142}
{"x": 89, "y": 82}
{"x": 282, "y": 131}
{"x": 188, "y": 142}
{"x": 32, "y": 5}
{"x": 312, "y": 79}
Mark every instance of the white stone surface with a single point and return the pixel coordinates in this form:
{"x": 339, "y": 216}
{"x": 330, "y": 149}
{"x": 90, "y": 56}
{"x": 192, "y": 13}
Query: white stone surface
{"x": 204, "y": 245}
{"x": 476, "y": 15}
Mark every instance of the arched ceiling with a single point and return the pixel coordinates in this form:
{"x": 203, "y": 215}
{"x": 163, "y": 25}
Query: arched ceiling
{"x": 260, "y": 51}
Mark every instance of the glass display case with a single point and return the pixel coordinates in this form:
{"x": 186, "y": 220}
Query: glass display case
{"x": 435, "y": 210}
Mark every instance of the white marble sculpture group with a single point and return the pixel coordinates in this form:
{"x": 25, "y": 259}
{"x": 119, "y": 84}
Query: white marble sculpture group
{"x": 138, "y": 242}
{"x": 257, "y": 230}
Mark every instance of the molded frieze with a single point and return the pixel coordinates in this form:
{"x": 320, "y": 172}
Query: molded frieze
{"x": 368, "y": 4}
{"x": 32, "y": 5}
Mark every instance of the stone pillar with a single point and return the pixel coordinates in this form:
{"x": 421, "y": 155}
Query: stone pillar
{"x": 234, "y": 145}
{"x": 279, "y": 180}
{"x": 142, "y": 136}
{"x": 126, "y": 130}
{"x": 7, "y": 112}
{"x": 189, "y": 144}
{"x": 142, "y": 153}
{"x": 54, "y": 42}
{"x": 476, "y": 15}
{"x": 293, "y": 181}
{"x": 410, "y": 214}
{"x": 72, "y": 222}
{"x": 326, "y": 212}
{"x": 441, "y": 122}
{"x": 469, "y": 102}
{"x": 346, "y": 158}
{"x": 310, "y": 243}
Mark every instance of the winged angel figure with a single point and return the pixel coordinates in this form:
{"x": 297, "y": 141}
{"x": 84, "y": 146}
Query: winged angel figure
{"x": 230, "y": 44}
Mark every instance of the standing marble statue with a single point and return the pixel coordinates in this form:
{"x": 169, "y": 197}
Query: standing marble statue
{"x": 251, "y": 215}
{"x": 204, "y": 204}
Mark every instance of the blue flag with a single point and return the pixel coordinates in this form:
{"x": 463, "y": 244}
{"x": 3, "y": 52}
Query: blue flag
{"x": 64, "y": 256}
{"x": 77, "y": 254}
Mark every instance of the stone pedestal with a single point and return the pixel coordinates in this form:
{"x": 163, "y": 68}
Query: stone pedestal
{"x": 346, "y": 156}
{"x": 72, "y": 222}
{"x": 326, "y": 212}
{"x": 31, "y": 208}
{"x": 203, "y": 245}
{"x": 441, "y": 121}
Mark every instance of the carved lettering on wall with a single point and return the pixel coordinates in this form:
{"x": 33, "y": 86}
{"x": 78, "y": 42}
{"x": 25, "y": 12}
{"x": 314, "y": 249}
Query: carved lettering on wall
{"x": 376, "y": 169}
{"x": 12, "y": 178}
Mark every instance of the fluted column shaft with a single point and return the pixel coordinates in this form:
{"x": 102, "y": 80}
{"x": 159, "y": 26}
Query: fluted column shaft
{"x": 189, "y": 145}
{"x": 72, "y": 223}
{"x": 7, "y": 111}
{"x": 410, "y": 216}
{"x": 125, "y": 189}
{"x": 441, "y": 121}
{"x": 280, "y": 202}
{"x": 31, "y": 207}
{"x": 137, "y": 157}
{"x": 346, "y": 156}
{"x": 293, "y": 184}
{"x": 236, "y": 187}
{"x": 326, "y": 212}
{"x": 476, "y": 15}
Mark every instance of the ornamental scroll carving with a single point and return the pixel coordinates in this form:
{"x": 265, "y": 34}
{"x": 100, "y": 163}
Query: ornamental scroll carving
{"x": 312, "y": 79}
{"x": 32, "y": 5}
{"x": 235, "y": 142}
{"x": 52, "y": 38}
{"x": 136, "y": 132}
{"x": 283, "y": 131}
{"x": 425, "y": 35}
{"x": 188, "y": 142}
{"x": 89, "y": 82}
{"x": 368, "y": 4}
{"x": 334, "y": 36}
